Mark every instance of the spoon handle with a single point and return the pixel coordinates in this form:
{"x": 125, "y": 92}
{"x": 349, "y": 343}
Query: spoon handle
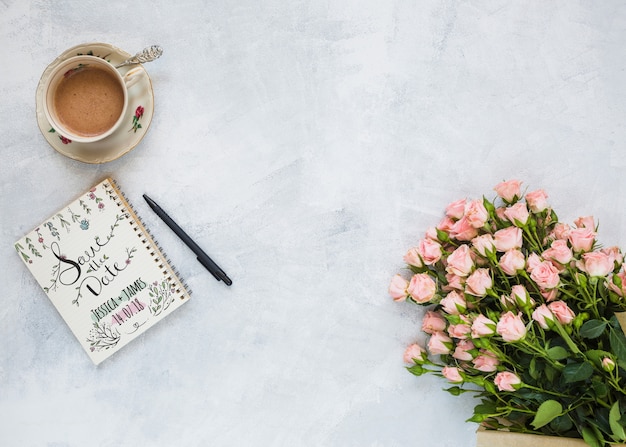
{"x": 148, "y": 54}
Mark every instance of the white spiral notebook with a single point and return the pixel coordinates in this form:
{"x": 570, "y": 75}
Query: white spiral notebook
{"x": 102, "y": 270}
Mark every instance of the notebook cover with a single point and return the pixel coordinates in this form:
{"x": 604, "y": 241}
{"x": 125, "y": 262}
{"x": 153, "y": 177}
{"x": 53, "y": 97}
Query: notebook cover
{"x": 102, "y": 270}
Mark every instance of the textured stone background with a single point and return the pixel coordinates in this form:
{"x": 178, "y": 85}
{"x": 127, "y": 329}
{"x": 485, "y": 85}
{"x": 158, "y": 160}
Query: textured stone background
{"x": 306, "y": 145}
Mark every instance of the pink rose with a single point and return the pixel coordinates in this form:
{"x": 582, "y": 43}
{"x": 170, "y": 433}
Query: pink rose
{"x": 507, "y": 239}
{"x": 422, "y": 288}
{"x": 561, "y": 231}
{"x": 462, "y": 350}
{"x": 545, "y": 275}
{"x": 509, "y": 190}
{"x": 595, "y": 263}
{"x": 585, "y": 222}
{"x": 414, "y": 352}
{"x": 512, "y": 261}
{"x": 517, "y": 214}
{"x": 549, "y": 295}
{"x": 456, "y": 209}
{"x": 562, "y": 312}
{"x": 412, "y": 257}
{"x": 484, "y": 244}
{"x": 460, "y": 261}
{"x": 431, "y": 233}
{"x": 476, "y": 213}
{"x": 543, "y": 316}
{"x": 455, "y": 282}
{"x": 397, "y": 288}
{"x": 440, "y": 343}
{"x": 454, "y": 303}
{"x": 582, "y": 239}
{"x": 614, "y": 254}
{"x": 463, "y": 230}
{"x": 479, "y": 282}
{"x": 511, "y": 327}
{"x": 486, "y": 361}
{"x": 533, "y": 261}
{"x": 446, "y": 224}
{"x": 433, "y": 322}
{"x": 537, "y": 200}
{"x": 460, "y": 331}
{"x": 521, "y": 296}
{"x": 483, "y": 327}
{"x": 507, "y": 381}
{"x": 559, "y": 252}
{"x": 452, "y": 373}
{"x": 429, "y": 250}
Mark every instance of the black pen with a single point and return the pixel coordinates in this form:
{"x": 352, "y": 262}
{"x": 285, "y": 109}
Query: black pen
{"x": 204, "y": 259}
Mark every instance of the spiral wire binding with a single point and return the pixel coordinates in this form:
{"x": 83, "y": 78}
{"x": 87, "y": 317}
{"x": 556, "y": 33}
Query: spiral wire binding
{"x": 147, "y": 239}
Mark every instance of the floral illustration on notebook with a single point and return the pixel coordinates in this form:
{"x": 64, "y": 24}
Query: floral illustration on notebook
{"x": 102, "y": 270}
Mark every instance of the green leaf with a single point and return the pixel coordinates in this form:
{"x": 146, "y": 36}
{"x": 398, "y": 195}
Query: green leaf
{"x": 491, "y": 209}
{"x": 550, "y": 373}
{"x": 561, "y": 424}
{"x": 600, "y": 389}
{"x": 532, "y": 369}
{"x": 483, "y": 411}
{"x": 546, "y": 412}
{"x": 486, "y": 407}
{"x": 557, "y": 353}
{"x": 577, "y": 372}
{"x": 589, "y": 435}
{"x": 592, "y": 328}
{"x": 618, "y": 343}
{"x": 614, "y": 421}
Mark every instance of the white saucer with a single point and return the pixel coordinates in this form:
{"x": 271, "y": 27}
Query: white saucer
{"x": 127, "y": 136}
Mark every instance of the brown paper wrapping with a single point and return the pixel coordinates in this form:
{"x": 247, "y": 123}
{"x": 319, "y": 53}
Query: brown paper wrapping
{"x": 496, "y": 438}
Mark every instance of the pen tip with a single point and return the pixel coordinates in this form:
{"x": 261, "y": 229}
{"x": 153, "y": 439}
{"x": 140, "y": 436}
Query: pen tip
{"x": 149, "y": 200}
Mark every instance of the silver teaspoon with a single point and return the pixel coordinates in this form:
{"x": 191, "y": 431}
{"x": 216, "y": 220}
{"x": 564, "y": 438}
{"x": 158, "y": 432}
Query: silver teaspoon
{"x": 148, "y": 54}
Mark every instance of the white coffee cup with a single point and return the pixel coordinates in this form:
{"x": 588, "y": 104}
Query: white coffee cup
{"x": 86, "y": 98}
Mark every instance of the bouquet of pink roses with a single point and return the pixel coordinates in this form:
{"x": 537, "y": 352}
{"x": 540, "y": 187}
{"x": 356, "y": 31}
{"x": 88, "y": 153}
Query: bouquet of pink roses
{"x": 522, "y": 311}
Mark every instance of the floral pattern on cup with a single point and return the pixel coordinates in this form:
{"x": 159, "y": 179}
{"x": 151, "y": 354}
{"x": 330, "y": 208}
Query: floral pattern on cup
{"x": 61, "y": 137}
{"x": 138, "y": 115}
{"x": 136, "y": 124}
{"x": 69, "y": 72}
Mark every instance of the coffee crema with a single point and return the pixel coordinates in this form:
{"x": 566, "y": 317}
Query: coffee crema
{"x": 88, "y": 100}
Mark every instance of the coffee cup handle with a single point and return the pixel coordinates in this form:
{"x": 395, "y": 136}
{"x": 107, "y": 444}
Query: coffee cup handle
{"x": 133, "y": 76}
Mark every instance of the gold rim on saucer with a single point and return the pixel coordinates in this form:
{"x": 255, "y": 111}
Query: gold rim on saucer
{"x": 136, "y": 122}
